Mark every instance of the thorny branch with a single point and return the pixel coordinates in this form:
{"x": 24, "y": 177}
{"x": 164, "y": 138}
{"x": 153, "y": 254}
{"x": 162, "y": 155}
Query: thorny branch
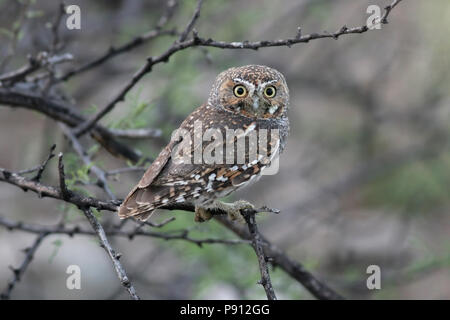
{"x": 18, "y": 272}
{"x": 258, "y": 247}
{"x": 134, "y": 43}
{"x": 18, "y": 90}
{"x": 317, "y": 288}
{"x": 112, "y": 231}
{"x": 111, "y": 253}
{"x": 84, "y": 156}
{"x": 197, "y": 41}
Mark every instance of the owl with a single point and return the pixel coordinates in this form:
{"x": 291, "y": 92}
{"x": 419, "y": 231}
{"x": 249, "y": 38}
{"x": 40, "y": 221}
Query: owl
{"x": 222, "y": 146}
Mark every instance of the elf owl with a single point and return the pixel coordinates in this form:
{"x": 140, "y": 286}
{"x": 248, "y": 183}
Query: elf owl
{"x": 242, "y": 127}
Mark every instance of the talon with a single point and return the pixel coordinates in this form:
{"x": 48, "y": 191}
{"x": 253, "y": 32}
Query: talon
{"x": 243, "y": 204}
{"x": 202, "y": 214}
{"x": 234, "y": 213}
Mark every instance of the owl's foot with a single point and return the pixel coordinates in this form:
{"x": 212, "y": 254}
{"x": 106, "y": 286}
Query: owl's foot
{"x": 233, "y": 210}
{"x": 202, "y": 214}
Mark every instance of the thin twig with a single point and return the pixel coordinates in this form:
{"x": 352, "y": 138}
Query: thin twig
{"x": 18, "y": 272}
{"x": 192, "y": 22}
{"x": 65, "y": 193}
{"x": 48, "y": 191}
{"x": 120, "y": 271}
{"x": 99, "y": 173}
{"x": 257, "y": 246}
{"x": 62, "y": 112}
{"x": 55, "y": 26}
{"x": 278, "y": 258}
{"x": 42, "y": 167}
{"x": 128, "y": 46}
{"x": 197, "y": 41}
{"x": 142, "y": 133}
{"x": 43, "y": 59}
{"x": 296, "y": 270}
{"x": 182, "y": 235}
{"x": 124, "y": 170}
{"x": 88, "y": 125}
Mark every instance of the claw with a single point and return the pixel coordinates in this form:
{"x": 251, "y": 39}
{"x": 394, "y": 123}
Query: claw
{"x": 233, "y": 210}
{"x": 202, "y": 214}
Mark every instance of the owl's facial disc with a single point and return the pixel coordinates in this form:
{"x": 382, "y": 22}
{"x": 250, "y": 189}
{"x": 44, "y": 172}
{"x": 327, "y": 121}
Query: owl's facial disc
{"x": 252, "y": 91}
{"x": 254, "y": 99}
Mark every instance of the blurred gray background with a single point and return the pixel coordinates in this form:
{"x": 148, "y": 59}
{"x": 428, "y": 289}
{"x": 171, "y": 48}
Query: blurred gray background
{"x": 365, "y": 178}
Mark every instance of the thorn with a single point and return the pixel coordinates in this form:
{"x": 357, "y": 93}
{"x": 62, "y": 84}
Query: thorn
{"x": 126, "y": 282}
{"x": 299, "y": 33}
{"x": 15, "y": 271}
{"x": 195, "y": 35}
{"x": 6, "y": 174}
{"x": 26, "y": 250}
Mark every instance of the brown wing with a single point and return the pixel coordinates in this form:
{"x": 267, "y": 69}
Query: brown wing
{"x": 138, "y": 202}
{"x": 156, "y": 185}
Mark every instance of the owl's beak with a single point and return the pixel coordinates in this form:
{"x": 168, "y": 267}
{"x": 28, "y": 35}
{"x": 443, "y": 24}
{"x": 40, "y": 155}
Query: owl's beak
{"x": 255, "y": 99}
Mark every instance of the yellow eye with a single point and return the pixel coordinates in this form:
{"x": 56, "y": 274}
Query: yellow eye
{"x": 270, "y": 92}
{"x": 239, "y": 91}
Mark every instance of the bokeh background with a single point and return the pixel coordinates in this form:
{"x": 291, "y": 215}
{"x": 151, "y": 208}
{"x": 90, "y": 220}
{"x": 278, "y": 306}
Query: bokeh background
{"x": 365, "y": 178}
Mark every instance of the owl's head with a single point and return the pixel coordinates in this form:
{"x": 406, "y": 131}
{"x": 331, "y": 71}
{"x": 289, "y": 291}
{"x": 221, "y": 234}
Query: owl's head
{"x": 252, "y": 91}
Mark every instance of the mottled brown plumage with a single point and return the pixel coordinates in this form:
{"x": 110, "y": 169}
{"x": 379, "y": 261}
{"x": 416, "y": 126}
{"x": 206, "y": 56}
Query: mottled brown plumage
{"x": 246, "y": 101}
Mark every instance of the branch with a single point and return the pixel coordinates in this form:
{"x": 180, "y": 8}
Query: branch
{"x": 291, "y": 267}
{"x": 99, "y": 173}
{"x": 55, "y": 26}
{"x": 142, "y": 133}
{"x": 34, "y": 64}
{"x": 42, "y": 167}
{"x": 125, "y": 169}
{"x": 76, "y": 230}
{"x": 197, "y": 41}
{"x": 112, "y": 52}
{"x": 134, "y": 43}
{"x": 29, "y": 254}
{"x": 388, "y": 11}
{"x": 111, "y": 253}
{"x": 296, "y": 270}
{"x": 65, "y": 193}
{"x": 192, "y": 22}
{"x": 257, "y": 246}
{"x": 61, "y": 112}
{"x": 52, "y": 192}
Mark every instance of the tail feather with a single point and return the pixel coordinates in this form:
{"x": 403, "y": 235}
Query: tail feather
{"x": 141, "y": 203}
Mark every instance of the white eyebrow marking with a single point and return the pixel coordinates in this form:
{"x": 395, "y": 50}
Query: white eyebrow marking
{"x": 250, "y": 86}
{"x": 268, "y": 82}
{"x": 265, "y": 84}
